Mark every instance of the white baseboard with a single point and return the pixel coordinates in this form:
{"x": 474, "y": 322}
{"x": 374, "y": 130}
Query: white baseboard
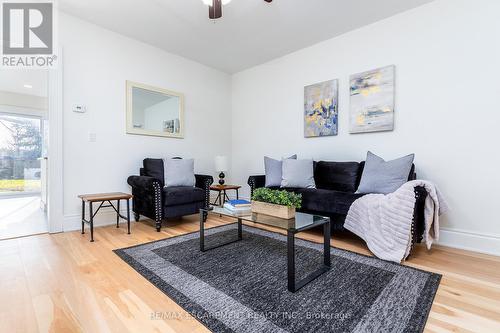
{"x": 103, "y": 218}
{"x": 471, "y": 241}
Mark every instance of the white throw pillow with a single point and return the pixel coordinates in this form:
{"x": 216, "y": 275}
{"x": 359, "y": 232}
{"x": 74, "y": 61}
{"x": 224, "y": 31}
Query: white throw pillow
{"x": 380, "y": 176}
{"x": 179, "y": 172}
{"x": 298, "y": 174}
{"x": 274, "y": 170}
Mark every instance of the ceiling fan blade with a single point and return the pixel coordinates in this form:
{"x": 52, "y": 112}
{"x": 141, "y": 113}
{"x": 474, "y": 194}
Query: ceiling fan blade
{"x": 215, "y": 10}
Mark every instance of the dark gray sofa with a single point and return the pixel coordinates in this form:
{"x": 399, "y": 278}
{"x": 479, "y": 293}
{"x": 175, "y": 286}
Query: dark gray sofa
{"x": 336, "y": 184}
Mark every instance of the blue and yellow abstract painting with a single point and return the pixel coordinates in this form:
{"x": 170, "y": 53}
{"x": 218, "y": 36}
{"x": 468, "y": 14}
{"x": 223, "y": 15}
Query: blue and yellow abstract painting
{"x": 372, "y": 101}
{"x": 321, "y": 109}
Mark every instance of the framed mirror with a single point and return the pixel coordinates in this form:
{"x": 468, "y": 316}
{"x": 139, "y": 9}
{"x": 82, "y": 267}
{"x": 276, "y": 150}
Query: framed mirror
{"x": 154, "y": 111}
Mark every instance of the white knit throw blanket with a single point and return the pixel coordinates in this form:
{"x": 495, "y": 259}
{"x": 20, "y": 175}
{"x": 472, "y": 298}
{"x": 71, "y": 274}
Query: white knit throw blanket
{"x": 384, "y": 221}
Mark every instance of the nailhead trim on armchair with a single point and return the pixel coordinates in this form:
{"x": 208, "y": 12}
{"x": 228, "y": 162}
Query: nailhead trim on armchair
{"x": 158, "y": 205}
{"x": 207, "y": 193}
{"x": 252, "y": 187}
{"x": 208, "y": 182}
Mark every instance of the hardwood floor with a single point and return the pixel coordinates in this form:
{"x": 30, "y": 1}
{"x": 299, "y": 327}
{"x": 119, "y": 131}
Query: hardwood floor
{"x": 64, "y": 283}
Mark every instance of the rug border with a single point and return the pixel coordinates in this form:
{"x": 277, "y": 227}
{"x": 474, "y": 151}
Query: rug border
{"x": 438, "y": 277}
{"x": 133, "y": 263}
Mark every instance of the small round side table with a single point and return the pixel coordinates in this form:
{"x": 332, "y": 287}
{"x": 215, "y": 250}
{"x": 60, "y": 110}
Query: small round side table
{"x": 222, "y": 195}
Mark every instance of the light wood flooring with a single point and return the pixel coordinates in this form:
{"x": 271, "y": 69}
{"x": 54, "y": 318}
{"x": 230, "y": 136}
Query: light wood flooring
{"x": 64, "y": 283}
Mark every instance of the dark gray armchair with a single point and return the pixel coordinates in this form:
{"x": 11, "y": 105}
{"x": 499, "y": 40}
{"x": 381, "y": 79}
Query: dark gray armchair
{"x": 153, "y": 200}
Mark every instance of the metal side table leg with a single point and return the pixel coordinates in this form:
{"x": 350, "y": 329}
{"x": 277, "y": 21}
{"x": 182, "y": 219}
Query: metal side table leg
{"x": 118, "y": 213}
{"x": 83, "y": 217}
{"x": 128, "y": 216}
{"x": 91, "y": 222}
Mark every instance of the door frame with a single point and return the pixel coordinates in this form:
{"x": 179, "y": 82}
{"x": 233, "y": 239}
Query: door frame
{"x": 55, "y": 204}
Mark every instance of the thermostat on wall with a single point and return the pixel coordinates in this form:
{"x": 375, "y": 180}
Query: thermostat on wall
{"x": 79, "y": 108}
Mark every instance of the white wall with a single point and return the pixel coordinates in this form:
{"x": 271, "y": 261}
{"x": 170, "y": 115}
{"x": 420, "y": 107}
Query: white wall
{"x": 96, "y": 64}
{"x": 447, "y": 96}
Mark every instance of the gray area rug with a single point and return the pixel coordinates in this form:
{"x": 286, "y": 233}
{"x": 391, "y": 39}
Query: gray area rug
{"x": 242, "y": 287}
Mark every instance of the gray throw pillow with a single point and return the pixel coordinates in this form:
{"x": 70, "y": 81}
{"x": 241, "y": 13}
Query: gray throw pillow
{"x": 298, "y": 174}
{"x": 273, "y": 169}
{"x": 380, "y": 176}
{"x": 179, "y": 172}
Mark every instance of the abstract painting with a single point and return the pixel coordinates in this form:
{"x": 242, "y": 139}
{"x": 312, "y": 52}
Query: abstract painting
{"x": 372, "y": 101}
{"x": 321, "y": 109}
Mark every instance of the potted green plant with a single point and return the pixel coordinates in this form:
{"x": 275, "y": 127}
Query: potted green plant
{"x": 278, "y": 203}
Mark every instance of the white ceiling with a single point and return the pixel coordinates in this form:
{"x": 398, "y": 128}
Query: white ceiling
{"x": 251, "y": 32}
{"x": 13, "y": 80}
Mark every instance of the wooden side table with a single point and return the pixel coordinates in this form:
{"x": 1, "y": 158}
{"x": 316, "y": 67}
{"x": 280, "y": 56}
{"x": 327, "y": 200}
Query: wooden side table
{"x": 222, "y": 196}
{"x": 102, "y": 198}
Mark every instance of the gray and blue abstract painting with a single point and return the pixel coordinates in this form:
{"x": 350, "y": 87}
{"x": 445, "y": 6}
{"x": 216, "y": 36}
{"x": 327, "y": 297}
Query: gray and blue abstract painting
{"x": 321, "y": 109}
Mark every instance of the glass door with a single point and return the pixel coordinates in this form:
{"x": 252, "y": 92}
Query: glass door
{"x": 21, "y": 176}
{"x": 20, "y": 154}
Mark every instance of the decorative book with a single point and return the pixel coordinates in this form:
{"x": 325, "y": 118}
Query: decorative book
{"x": 239, "y": 203}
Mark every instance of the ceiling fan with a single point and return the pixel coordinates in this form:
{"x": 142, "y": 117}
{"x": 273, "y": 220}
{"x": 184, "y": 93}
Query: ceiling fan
{"x": 215, "y": 7}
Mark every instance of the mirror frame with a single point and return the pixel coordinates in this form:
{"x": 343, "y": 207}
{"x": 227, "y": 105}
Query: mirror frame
{"x": 130, "y": 128}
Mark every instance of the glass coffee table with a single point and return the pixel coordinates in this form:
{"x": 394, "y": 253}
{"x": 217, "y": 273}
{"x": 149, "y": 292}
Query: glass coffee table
{"x": 293, "y": 226}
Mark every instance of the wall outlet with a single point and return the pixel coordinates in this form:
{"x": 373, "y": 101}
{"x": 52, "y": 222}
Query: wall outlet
{"x": 92, "y": 137}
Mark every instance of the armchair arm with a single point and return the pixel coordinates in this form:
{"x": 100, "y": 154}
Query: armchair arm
{"x": 256, "y": 182}
{"x": 204, "y": 182}
{"x": 142, "y": 182}
{"x": 147, "y": 199}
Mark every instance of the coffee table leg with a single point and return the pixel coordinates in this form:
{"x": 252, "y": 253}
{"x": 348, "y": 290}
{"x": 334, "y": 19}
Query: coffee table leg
{"x": 128, "y": 216}
{"x": 240, "y": 230}
{"x": 294, "y": 285}
{"x": 326, "y": 244}
{"x": 291, "y": 261}
{"x": 202, "y": 233}
{"x": 91, "y": 223}
{"x": 83, "y": 217}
